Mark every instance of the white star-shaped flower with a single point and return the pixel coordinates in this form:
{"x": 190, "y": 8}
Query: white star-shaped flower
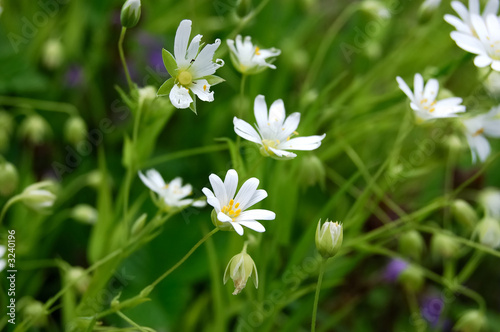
{"x": 424, "y": 103}
{"x": 274, "y": 131}
{"x": 191, "y": 69}
{"x": 230, "y": 209}
{"x": 463, "y": 23}
{"x": 485, "y": 42}
{"x": 476, "y": 130}
{"x": 172, "y": 194}
{"x": 249, "y": 59}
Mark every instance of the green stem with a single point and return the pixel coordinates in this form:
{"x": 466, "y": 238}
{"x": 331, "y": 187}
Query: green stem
{"x": 417, "y": 319}
{"x": 130, "y": 321}
{"x": 470, "y": 267}
{"x": 7, "y": 205}
{"x": 122, "y": 58}
{"x": 39, "y": 104}
{"x": 242, "y": 95}
{"x": 316, "y": 296}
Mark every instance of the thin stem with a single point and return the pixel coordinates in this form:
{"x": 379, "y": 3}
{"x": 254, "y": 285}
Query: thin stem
{"x": 470, "y": 267}
{"x": 130, "y": 321}
{"x": 7, "y": 205}
{"x": 242, "y": 94}
{"x": 417, "y": 319}
{"x": 45, "y": 105}
{"x": 316, "y": 296}
{"x": 122, "y": 57}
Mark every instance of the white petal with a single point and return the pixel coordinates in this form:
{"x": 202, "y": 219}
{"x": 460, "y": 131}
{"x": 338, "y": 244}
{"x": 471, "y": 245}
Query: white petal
{"x": 457, "y": 23}
{"x": 482, "y": 61}
{"x": 468, "y": 43}
{"x": 253, "y": 224}
{"x": 260, "y": 111}
{"x": 282, "y": 154}
{"x": 493, "y": 25}
{"x": 237, "y": 227}
{"x": 201, "y": 88}
{"x": 199, "y": 203}
{"x": 203, "y": 65}
{"x": 223, "y": 217}
{"x": 474, "y": 6}
{"x": 491, "y": 8}
{"x": 492, "y": 128}
{"x": 405, "y": 88}
{"x": 290, "y": 125}
{"x": 219, "y": 189}
{"x": 277, "y": 113}
{"x": 246, "y": 131}
{"x": 153, "y": 180}
{"x": 192, "y": 51}
{"x": 179, "y": 96}
{"x": 480, "y": 26}
{"x": 495, "y": 65}
{"x": 181, "y": 42}
{"x": 303, "y": 143}
{"x": 418, "y": 88}
{"x": 257, "y": 214}
{"x": 461, "y": 10}
{"x": 247, "y": 191}
{"x": 258, "y": 196}
{"x": 431, "y": 89}
{"x": 231, "y": 183}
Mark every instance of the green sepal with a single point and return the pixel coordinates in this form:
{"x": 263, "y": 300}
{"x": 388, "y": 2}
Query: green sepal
{"x": 214, "y": 80}
{"x": 166, "y": 87}
{"x": 192, "y": 106}
{"x": 169, "y": 62}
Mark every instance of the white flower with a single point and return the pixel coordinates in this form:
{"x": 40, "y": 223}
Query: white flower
{"x": 475, "y": 130}
{"x": 424, "y": 103}
{"x": 464, "y": 23}
{"x": 230, "y": 211}
{"x": 172, "y": 194}
{"x": 3, "y": 262}
{"x": 485, "y": 43}
{"x": 248, "y": 58}
{"x": 490, "y": 199}
{"x": 191, "y": 69}
{"x": 274, "y": 131}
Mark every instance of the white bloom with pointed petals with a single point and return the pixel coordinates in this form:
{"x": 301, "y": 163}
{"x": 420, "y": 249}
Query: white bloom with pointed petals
{"x": 476, "y": 130}
{"x": 191, "y": 69}
{"x": 486, "y": 42}
{"x": 423, "y": 100}
{"x": 463, "y": 23}
{"x": 172, "y": 194}
{"x": 274, "y": 131}
{"x": 248, "y": 58}
{"x": 230, "y": 208}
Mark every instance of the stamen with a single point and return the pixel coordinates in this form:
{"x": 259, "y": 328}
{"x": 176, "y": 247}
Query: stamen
{"x": 479, "y": 132}
{"x": 257, "y": 50}
{"x": 204, "y": 88}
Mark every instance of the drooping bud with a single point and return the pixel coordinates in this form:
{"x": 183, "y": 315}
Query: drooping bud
{"x": 488, "y": 232}
{"x": 470, "y": 321}
{"x": 9, "y": 179}
{"x": 37, "y": 197}
{"x": 376, "y": 9}
{"x": 85, "y": 214}
{"x": 490, "y": 200}
{"x": 464, "y": 213}
{"x": 240, "y": 268}
{"x": 35, "y": 312}
{"x": 443, "y": 246}
{"x": 412, "y": 278}
{"x": 35, "y": 129}
{"x": 53, "y": 54}
{"x": 131, "y": 13}
{"x": 79, "y": 278}
{"x": 75, "y": 130}
{"x": 329, "y": 238}
{"x": 411, "y": 244}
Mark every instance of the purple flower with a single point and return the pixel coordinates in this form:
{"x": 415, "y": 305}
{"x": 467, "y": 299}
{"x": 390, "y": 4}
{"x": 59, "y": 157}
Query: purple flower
{"x": 394, "y": 269}
{"x": 431, "y": 309}
{"x": 74, "y": 76}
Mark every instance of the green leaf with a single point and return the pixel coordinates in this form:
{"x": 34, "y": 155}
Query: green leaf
{"x": 166, "y": 87}
{"x": 192, "y": 106}
{"x": 169, "y": 62}
{"x": 213, "y": 79}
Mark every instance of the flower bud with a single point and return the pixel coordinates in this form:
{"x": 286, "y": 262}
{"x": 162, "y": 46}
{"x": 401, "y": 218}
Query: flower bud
{"x": 147, "y": 94}
{"x": 34, "y": 311}
{"x": 80, "y": 279}
{"x": 75, "y": 130}
{"x": 6, "y": 122}
{"x": 411, "y": 244}
{"x": 38, "y": 198}
{"x": 131, "y": 13}
{"x": 53, "y": 54}
{"x": 412, "y": 278}
{"x": 85, "y": 214}
{"x": 243, "y": 8}
{"x": 470, "y": 321}
{"x": 443, "y": 246}
{"x": 240, "y": 268}
{"x": 464, "y": 213}
{"x": 94, "y": 179}
{"x": 329, "y": 238}
{"x": 427, "y": 9}
{"x": 488, "y": 231}
{"x": 139, "y": 224}
{"x": 376, "y": 9}
{"x": 490, "y": 200}
{"x": 312, "y": 171}
{"x": 35, "y": 129}
{"x": 9, "y": 179}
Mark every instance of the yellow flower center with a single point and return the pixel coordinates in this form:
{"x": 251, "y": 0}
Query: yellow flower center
{"x": 268, "y": 143}
{"x": 231, "y": 210}
{"x": 257, "y": 49}
{"x": 185, "y": 77}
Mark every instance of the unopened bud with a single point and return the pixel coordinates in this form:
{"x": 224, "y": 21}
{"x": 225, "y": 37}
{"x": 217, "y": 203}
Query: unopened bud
{"x": 34, "y": 312}
{"x": 9, "y": 179}
{"x": 240, "y": 268}
{"x": 312, "y": 171}
{"x": 37, "y": 197}
{"x": 411, "y": 244}
{"x": 329, "y": 238}
{"x": 53, "y": 54}
{"x": 488, "y": 232}
{"x": 464, "y": 213}
{"x": 79, "y": 278}
{"x": 490, "y": 200}
{"x": 443, "y": 246}
{"x": 243, "y": 8}
{"x": 75, "y": 130}
{"x": 470, "y": 321}
{"x": 85, "y": 214}
{"x": 131, "y": 13}
{"x": 412, "y": 278}
{"x": 376, "y": 9}
{"x": 35, "y": 129}
{"x": 139, "y": 224}
{"x": 427, "y": 9}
